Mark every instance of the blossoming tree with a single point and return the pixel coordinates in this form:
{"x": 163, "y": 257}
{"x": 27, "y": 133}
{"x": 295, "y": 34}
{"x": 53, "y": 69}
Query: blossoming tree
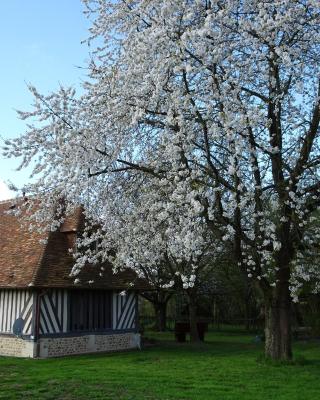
{"x": 202, "y": 114}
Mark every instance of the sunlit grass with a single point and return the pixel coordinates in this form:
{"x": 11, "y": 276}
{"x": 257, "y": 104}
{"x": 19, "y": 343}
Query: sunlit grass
{"x": 227, "y": 366}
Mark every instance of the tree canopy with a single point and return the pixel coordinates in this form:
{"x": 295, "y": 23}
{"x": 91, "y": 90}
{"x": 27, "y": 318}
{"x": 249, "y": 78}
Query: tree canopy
{"x": 198, "y": 126}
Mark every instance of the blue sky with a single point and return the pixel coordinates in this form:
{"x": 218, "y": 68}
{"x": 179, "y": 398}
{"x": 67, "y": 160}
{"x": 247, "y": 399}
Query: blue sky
{"x": 41, "y": 44}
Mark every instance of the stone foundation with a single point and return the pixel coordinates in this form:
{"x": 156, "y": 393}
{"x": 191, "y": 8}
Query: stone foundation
{"x": 64, "y": 346}
{"x": 16, "y": 347}
{"x": 57, "y": 347}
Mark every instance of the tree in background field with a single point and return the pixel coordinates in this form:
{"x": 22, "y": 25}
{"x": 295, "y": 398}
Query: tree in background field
{"x": 200, "y": 113}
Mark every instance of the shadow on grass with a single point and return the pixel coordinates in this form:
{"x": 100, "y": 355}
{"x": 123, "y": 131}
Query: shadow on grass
{"x": 214, "y": 347}
{"x": 219, "y": 346}
{"x": 297, "y": 360}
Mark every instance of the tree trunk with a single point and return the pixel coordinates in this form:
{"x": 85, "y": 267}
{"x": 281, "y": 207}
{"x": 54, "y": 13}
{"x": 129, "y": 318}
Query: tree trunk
{"x": 194, "y": 335}
{"x": 278, "y": 324}
{"x": 159, "y": 300}
{"x": 247, "y": 313}
{"x": 160, "y": 310}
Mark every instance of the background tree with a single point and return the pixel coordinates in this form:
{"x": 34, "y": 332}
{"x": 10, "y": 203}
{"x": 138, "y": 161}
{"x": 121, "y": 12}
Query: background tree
{"x": 215, "y": 106}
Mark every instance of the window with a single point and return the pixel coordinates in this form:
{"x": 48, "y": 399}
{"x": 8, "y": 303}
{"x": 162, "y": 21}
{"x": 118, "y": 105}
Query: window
{"x": 90, "y": 310}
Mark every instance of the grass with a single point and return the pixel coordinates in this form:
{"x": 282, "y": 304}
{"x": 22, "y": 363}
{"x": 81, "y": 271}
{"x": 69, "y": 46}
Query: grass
{"x": 228, "y": 366}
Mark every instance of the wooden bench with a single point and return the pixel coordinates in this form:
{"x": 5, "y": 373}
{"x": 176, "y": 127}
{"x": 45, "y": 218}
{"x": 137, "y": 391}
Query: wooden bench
{"x": 302, "y": 332}
{"x": 182, "y": 328}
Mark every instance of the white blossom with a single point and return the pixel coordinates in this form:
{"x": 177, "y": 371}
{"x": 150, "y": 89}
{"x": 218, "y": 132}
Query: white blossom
{"x": 197, "y": 125}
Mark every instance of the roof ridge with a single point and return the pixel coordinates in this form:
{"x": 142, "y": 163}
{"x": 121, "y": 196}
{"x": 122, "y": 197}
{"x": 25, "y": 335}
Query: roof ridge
{"x": 19, "y": 198}
{"x": 6, "y": 201}
{"x": 15, "y": 199}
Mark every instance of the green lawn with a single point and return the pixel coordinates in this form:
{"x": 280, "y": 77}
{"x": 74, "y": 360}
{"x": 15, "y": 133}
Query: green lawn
{"x": 225, "y": 367}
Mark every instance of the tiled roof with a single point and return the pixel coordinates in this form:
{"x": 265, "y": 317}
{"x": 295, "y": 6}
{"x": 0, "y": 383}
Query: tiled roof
{"x": 20, "y": 251}
{"x": 25, "y": 261}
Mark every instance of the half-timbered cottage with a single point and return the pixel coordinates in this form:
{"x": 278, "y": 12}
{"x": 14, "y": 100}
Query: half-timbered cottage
{"x": 43, "y": 313}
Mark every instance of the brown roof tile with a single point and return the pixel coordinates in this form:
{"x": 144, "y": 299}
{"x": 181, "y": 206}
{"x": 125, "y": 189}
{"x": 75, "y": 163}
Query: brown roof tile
{"x": 20, "y": 251}
{"x": 25, "y": 261}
